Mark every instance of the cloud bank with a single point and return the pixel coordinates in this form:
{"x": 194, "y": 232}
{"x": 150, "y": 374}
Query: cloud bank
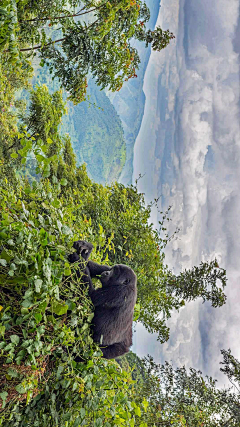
{"x": 188, "y": 148}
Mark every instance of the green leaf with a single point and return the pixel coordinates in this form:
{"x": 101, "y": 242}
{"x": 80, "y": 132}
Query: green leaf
{"x": 56, "y": 203}
{"x": 5, "y": 255}
{"x": 13, "y": 266}
{"x": 14, "y": 155}
{"x": 20, "y": 389}
{"x": 138, "y": 411}
{"x": 75, "y": 386}
{"x": 4, "y": 396}
{"x": 59, "y": 307}
{"x": 28, "y": 293}
{"x": 40, "y": 158}
{"x": 63, "y": 182}
{"x": 82, "y": 412}
{"x": 38, "y": 285}
{"x": 3, "y": 235}
{"x": 12, "y": 372}
{"x": 27, "y": 303}
{"x": 15, "y": 339}
{"x": 38, "y": 317}
{"x": 145, "y": 404}
{"x": 71, "y": 305}
{"x": 43, "y": 305}
{"x": 90, "y": 364}
{"x": 136, "y": 312}
{"x": 3, "y": 262}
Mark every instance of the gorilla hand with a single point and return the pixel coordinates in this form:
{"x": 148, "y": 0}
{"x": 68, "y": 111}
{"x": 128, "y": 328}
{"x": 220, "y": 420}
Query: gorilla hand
{"x": 73, "y": 257}
{"x": 83, "y": 248}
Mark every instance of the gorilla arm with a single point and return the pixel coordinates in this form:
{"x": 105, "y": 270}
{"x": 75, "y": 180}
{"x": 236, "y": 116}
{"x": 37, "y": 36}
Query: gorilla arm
{"x": 97, "y": 269}
{"x": 109, "y": 297}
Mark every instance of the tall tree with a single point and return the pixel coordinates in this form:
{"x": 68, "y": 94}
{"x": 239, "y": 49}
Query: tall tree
{"x": 95, "y": 38}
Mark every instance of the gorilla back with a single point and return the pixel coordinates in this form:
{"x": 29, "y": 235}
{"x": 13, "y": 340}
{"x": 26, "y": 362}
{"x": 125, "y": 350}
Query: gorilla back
{"x": 114, "y": 302}
{"x": 114, "y": 307}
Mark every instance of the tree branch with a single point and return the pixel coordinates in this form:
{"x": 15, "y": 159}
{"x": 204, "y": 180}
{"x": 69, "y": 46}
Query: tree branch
{"x": 11, "y": 146}
{"x": 52, "y": 42}
{"x": 66, "y": 16}
{"x": 40, "y": 46}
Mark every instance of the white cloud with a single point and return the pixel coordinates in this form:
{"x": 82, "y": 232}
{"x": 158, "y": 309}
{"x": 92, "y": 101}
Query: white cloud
{"x": 193, "y": 87}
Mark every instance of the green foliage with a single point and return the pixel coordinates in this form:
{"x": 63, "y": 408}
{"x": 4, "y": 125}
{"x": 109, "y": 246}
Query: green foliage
{"x": 231, "y": 368}
{"x": 46, "y": 203}
{"x": 8, "y": 29}
{"x": 45, "y": 318}
{"x": 100, "y": 43}
{"x": 180, "y": 398}
{"x": 45, "y": 113}
{"x": 130, "y": 362}
{"x": 202, "y": 281}
{"x": 12, "y": 78}
{"x": 95, "y": 130}
{"x": 158, "y": 38}
{"x": 45, "y": 314}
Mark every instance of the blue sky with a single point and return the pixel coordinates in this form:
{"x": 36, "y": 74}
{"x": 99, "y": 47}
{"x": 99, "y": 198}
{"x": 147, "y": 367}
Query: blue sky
{"x": 188, "y": 148}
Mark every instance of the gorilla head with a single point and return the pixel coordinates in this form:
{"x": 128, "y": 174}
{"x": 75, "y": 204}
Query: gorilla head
{"x": 119, "y": 274}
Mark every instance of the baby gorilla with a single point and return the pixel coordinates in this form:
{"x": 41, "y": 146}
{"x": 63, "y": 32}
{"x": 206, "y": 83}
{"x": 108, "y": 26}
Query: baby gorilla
{"x": 114, "y": 302}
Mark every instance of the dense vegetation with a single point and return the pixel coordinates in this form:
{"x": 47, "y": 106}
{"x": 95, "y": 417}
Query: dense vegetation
{"x": 46, "y": 203}
{"x": 180, "y": 398}
{"x": 84, "y": 37}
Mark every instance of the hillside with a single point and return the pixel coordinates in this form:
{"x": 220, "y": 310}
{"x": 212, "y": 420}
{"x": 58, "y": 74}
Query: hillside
{"x": 95, "y": 130}
{"x": 100, "y": 140}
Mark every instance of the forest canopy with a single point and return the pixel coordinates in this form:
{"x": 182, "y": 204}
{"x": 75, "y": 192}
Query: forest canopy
{"x": 77, "y": 38}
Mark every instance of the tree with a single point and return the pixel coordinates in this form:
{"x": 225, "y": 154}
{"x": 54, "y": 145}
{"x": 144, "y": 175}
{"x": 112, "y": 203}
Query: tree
{"x": 200, "y": 281}
{"x": 181, "y": 398}
{"x": 12, "y": 79}
{"x": 231, "y": 368}
{"x": 100, "y": 43}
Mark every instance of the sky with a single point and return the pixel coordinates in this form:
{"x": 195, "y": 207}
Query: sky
{"x": 188, "y": 149}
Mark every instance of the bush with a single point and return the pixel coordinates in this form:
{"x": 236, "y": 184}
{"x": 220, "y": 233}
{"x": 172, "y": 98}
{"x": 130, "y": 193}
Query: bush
{"x": 46, "y": 315}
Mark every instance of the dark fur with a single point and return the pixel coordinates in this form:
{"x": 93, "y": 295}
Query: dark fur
{"x": 114, "y": 302}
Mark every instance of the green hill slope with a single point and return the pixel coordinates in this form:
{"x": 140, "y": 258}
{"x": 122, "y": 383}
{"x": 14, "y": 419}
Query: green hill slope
{"x": 100, "y": 140}
{"x": 95, "y": 129}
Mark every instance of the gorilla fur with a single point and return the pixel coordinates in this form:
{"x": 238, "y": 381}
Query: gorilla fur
{"x": 114, "y": 302}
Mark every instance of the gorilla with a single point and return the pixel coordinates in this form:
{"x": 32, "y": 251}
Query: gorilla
{"x": 113, "y": 302}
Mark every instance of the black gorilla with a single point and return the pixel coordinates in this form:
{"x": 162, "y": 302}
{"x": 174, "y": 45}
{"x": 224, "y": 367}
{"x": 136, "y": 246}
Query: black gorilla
{"x": 114, "y": 302}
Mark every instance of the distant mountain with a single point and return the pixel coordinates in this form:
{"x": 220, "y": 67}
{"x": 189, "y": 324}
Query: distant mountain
{"x": 129, "y": 102}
